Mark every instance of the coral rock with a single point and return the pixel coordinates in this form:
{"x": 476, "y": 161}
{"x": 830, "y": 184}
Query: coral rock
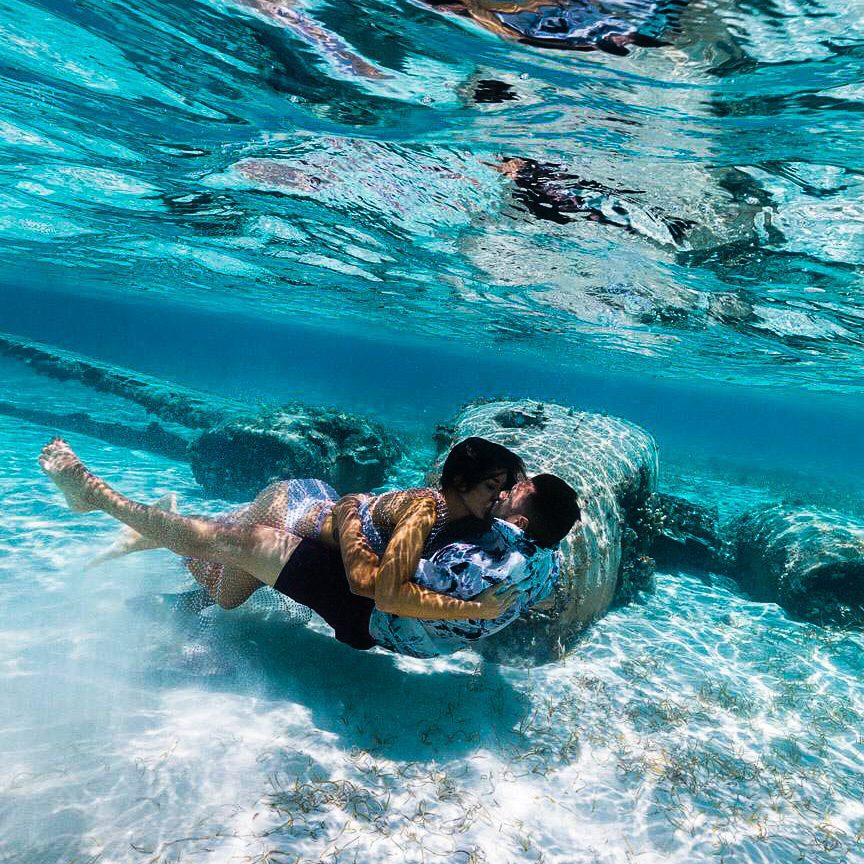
{"x": 235, "y": 459}
{"x": 811, "y": 562}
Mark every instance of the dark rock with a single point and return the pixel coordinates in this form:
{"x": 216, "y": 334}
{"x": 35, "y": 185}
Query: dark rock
{"x": 641, "y": 520}
{"x": 811, "y": 562}
{"x": 237, "y": 458}
{"x": 689, "y": 536}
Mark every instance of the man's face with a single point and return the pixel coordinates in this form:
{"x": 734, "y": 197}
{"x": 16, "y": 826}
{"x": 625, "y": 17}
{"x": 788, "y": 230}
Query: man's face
{"x": 512, "y": 506}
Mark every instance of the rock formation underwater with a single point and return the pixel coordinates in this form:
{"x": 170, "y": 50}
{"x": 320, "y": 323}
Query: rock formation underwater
{"x": 810, "y": 561}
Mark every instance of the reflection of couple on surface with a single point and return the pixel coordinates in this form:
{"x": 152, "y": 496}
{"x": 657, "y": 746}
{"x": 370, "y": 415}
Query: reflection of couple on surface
{"x": 420, "y": 571}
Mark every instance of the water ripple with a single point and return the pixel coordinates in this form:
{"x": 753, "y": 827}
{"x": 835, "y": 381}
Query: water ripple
{"x": 172, "y": 136}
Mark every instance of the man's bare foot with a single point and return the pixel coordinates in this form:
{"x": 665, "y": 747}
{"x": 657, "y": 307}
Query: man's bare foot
{"x": 60, "y": 463}
{"x": 128, "y": 540}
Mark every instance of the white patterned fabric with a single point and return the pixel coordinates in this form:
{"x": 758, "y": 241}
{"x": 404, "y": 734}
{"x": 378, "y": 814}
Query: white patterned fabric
{"x": 501, "y": 556}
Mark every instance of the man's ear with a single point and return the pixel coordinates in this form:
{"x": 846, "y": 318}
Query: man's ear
{"x": 520, "y": 522}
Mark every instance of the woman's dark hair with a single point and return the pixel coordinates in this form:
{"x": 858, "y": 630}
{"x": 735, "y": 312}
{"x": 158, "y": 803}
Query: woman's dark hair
{"x": 474, "y": 460}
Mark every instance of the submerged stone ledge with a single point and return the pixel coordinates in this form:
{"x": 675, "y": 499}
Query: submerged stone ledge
{"x": 153, "y": 437}
{"x": 240, "y": 449}
{"x": 811, "y": 562}
{"x": 237, "y": 458}
{"x": 161, "y": 398}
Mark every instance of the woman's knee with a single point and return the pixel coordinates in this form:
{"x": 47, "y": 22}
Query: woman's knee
{"x": 232, "y": 601}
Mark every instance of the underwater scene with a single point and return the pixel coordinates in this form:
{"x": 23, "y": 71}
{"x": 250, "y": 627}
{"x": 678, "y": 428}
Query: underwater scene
{"x": 253, "y": 240}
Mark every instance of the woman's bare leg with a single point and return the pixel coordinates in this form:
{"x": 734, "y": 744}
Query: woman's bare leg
{"x": 229, "y": 586}
{"x": 258, "y": 550}
{"x": 128, "y": 541}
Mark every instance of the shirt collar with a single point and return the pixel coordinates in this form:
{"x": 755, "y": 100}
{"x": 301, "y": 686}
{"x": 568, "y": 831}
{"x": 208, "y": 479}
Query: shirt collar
{"x": 516, "y": 537}
{"x": 508, "y": 529}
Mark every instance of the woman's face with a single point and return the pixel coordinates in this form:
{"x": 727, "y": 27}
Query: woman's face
{"x": 478, "y": 500}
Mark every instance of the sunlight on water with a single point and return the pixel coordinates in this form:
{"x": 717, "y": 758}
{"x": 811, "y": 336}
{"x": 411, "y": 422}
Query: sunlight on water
{"x": 388, "y": 208}
{"x": 290, "y": 158}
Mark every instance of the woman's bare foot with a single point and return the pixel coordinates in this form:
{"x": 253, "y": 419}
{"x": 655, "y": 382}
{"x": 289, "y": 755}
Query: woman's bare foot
{"x": 128, "y": 540}
{"x": 60, "y": 463}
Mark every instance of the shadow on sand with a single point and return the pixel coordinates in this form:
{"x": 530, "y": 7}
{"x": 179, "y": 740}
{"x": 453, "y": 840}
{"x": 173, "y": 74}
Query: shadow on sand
{"x": 366, "y": 698}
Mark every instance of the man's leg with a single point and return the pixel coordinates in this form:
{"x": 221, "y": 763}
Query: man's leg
{"x": 258, "y": 550}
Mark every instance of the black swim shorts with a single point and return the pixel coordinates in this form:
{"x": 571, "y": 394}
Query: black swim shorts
{"x": 315, "y": 576}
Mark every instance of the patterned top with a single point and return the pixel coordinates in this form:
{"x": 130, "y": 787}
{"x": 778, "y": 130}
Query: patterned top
{"x": 502, "y": 555}
{"x": 379, "y": 530}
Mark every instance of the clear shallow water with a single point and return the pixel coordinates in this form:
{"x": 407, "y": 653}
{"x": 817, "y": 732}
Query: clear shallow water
{"x": 199, "y": 194}
{"x": 698, "y": 726}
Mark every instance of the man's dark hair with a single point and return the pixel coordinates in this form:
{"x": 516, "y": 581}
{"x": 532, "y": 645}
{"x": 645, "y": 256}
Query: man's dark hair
{"x": 551, "y": 511}
{"x": 474, "y": 460}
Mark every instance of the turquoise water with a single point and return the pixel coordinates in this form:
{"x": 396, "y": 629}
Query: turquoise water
{"x": 310, "y": 205}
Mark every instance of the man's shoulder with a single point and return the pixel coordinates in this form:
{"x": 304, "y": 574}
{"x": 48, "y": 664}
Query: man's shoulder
{"x": 494, "y": 541}
{"x": 517, "y": 540}
{"x": 501, "y": 542}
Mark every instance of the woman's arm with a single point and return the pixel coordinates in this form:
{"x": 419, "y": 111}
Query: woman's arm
{"x": 361, "y": 563}
{"x": 389, "y": 584}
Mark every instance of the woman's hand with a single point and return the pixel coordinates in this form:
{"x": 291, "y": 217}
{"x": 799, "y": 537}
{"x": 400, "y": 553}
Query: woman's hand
{"x": 495, "y": 601}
